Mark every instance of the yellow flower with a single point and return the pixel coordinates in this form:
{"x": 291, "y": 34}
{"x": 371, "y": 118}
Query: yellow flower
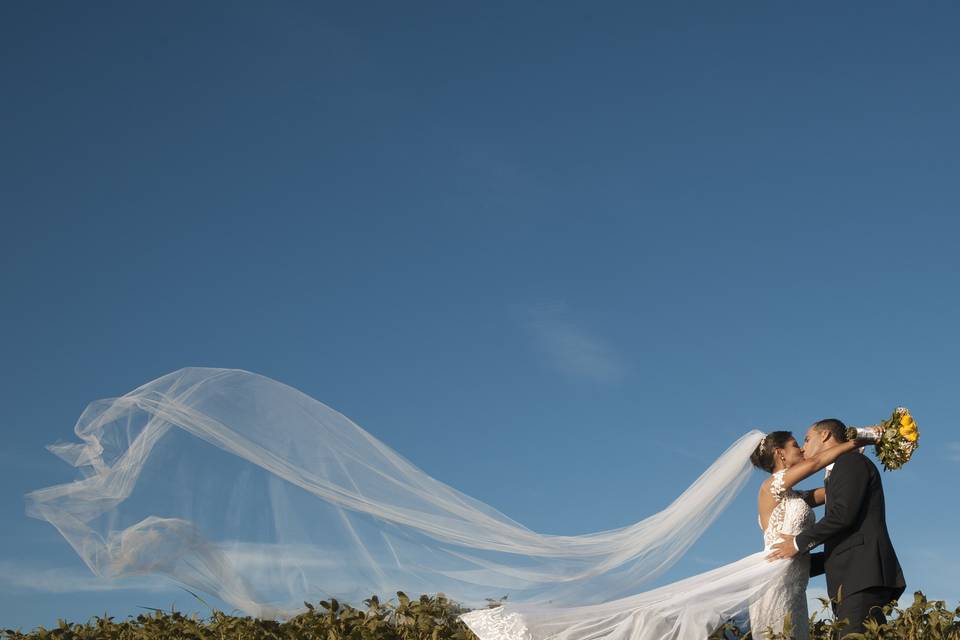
{"x": 909, "y": 430}
{"x": 911, "y": 436}
{"x": 907, "y": 420}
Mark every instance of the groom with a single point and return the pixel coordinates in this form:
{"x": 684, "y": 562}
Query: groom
{"x": 858, "y": 557}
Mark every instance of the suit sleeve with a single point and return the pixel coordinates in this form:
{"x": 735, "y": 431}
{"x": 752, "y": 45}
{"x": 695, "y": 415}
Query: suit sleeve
{"x": 816, "y": 564}
{"x": 848, "y": 489}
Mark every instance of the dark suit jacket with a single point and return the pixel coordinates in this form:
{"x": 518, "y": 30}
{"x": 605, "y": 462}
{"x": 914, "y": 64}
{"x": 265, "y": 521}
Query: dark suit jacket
{"x": 857, "y": 552}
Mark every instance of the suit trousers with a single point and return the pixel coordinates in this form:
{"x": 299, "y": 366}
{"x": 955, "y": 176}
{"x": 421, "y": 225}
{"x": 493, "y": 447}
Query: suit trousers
{"x": 863, "y": 605}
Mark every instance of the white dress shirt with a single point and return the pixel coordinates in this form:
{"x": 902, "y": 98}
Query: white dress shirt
{"x": 826, "y": 471}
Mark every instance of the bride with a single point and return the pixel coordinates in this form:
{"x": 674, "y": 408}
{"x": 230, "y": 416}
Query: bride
{"x": 784, "y": 510}
{"x": 253, "y": 492}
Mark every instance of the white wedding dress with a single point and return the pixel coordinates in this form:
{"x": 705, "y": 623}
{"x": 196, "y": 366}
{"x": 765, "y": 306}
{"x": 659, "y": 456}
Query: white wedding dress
{"x": 688, "y": 609}
{"x": 787, "y": 594}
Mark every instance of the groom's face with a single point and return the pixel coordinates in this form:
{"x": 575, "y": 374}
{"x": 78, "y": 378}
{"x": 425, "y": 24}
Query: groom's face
{"x": 812, "y": 443}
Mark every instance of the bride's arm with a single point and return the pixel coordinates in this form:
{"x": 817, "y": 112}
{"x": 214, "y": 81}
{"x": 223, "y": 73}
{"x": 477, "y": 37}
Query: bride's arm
{"x": 815, "y": 497}
{"x": 810, "y": 466}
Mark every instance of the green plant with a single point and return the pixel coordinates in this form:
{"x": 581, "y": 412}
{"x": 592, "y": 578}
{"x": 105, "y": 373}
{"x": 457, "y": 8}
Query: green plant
{"x": 435, "y": 618}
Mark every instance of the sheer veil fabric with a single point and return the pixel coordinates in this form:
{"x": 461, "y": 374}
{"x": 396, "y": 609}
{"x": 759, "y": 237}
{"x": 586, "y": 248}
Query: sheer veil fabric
{"x": 242, "y": 487}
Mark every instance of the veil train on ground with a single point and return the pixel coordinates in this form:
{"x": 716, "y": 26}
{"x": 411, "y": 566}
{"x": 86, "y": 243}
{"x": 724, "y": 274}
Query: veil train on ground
{"x": 242, "y": 487}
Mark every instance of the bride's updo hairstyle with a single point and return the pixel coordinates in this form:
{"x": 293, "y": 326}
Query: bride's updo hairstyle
{"x": 762, "y": 456}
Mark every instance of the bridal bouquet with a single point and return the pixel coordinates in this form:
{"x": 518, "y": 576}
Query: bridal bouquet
{"x": 897, "y": 438}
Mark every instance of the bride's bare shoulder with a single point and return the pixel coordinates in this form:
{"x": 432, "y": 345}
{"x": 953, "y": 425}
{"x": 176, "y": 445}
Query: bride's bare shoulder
{"x": 765, "y": 486}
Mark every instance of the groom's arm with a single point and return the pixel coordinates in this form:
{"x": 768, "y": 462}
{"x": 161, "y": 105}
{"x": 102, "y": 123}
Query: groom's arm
{"x": 848, "y": 488}
{"x": 816, "y": 564}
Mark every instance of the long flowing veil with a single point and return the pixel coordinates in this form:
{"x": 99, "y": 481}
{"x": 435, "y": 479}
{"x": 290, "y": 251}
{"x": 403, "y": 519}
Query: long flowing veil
{"x": 245, "y": 488}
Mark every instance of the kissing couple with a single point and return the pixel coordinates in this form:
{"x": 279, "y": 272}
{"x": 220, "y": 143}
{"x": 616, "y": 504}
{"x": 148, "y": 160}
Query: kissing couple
{"x": 861, "y": 567}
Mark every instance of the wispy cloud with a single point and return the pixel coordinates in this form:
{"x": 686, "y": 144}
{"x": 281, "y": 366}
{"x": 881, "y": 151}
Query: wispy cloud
{"x": 264, "y": 565}
{"x": 571, "y": 349}
{"x": 247, "y": 556}
{"x": 17, "y": 576}
{"x": 952, "y": 451}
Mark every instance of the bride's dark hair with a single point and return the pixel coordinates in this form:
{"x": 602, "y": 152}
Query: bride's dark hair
{"x": 762, "y": 456}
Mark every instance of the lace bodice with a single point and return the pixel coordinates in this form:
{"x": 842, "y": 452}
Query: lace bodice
{"x": 791, "y": 515}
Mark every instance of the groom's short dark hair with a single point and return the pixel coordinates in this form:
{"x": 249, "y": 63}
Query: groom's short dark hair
{"x": 837, "y": 429}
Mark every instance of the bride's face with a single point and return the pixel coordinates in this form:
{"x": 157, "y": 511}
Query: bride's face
{"x": 791, "y": 452}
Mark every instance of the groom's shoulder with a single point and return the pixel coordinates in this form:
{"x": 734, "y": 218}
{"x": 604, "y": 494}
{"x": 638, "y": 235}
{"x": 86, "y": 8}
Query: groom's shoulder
{"x": 855, "y": 460}
{"x": 851, "y": 460}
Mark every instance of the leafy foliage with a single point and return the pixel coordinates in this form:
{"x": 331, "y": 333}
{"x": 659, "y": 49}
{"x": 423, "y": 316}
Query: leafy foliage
{"x": 427, "y": 618}
{"x": 922, "y": 620}
{"x": 435, "y": 618}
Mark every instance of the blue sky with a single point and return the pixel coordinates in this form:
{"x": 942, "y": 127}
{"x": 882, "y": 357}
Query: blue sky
{"x": 559, "y": 256}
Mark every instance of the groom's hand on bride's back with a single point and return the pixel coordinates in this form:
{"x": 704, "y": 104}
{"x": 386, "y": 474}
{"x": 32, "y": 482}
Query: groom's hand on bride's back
{"x": 783, "y": 549}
